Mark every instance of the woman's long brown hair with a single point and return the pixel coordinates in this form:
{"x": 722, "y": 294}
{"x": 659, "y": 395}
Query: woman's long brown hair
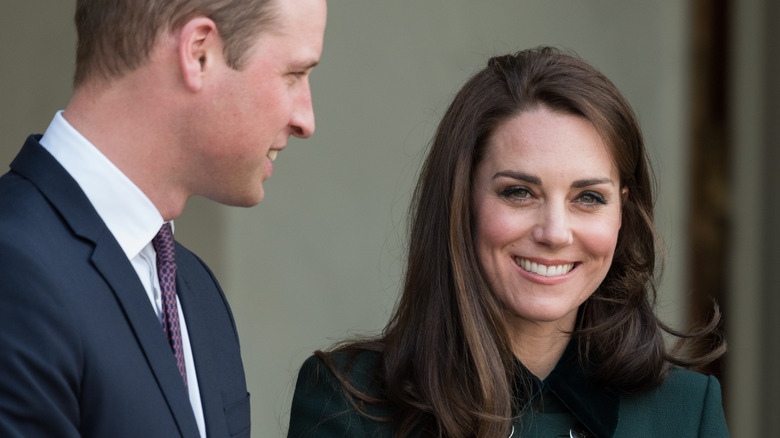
{"x": 447, "y": 363}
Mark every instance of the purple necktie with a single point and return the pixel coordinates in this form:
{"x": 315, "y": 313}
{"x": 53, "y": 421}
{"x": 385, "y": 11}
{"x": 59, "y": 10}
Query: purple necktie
{"x": 166, "y": 272}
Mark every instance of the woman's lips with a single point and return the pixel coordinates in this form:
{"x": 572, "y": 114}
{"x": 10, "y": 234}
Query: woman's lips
{"x": 552, "y": 270}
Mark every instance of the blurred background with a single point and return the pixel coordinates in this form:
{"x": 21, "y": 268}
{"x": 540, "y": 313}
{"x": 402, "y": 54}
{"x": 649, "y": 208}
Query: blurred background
{"x": 322, "y": 256}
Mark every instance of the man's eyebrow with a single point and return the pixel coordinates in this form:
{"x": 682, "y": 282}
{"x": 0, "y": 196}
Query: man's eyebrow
{"x": 311, "y": 65}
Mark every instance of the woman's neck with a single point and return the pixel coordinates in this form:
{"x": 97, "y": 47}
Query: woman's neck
{"x": 539, "y": 346}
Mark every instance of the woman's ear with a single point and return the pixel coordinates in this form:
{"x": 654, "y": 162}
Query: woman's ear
{"x": 623, "y": 199}
{"x": 199, "y": 48}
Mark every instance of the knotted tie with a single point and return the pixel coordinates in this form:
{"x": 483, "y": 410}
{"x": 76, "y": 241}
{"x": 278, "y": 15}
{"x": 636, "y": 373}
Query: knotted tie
{"x": 166, "y": 272}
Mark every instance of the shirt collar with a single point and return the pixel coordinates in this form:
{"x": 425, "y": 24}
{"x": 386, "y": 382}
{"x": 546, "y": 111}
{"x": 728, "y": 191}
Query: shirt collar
{"x": 593, "y": 405}
{"x": 127, "y": 212}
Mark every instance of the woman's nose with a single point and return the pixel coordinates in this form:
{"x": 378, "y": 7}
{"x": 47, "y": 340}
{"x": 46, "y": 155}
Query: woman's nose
{"x": 552, "y": 228}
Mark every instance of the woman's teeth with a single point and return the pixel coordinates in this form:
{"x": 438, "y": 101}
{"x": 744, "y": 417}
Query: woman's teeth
{"x": 543, "y": 270}
{"x": 272, "y": 154}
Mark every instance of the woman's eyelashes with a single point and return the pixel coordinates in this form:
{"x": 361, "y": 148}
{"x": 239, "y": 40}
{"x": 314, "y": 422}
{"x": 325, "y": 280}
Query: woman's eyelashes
{"x": 588, "y": 198}
{"x": 515, "y": 193}
{"x": 591, "y": 198}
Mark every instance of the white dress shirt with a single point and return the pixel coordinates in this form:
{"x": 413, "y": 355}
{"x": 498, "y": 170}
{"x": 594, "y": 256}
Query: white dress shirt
{"x": 130, "y": 216}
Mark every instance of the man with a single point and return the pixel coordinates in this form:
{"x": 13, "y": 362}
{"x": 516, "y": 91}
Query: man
{"x": 108, "y": 329}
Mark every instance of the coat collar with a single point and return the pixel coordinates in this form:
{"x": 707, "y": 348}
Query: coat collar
{"x": 594, "y": 406}
{"x": 40, "y": 168}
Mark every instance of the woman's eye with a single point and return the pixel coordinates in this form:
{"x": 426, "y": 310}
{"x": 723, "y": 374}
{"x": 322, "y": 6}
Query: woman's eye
{"x": 515, "y": 192}
{"x": 591, "y": 198}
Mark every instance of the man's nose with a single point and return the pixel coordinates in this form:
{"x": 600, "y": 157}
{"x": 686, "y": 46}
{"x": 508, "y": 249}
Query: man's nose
{"x": 302, "y": 119}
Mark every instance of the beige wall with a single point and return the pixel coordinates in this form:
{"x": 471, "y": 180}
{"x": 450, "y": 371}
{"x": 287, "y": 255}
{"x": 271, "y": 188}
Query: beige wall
{"x": 321, "y": 257}
{"x": 37, "y": 52}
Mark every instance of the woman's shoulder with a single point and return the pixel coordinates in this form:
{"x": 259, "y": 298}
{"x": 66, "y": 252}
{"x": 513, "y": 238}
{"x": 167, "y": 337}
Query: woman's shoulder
{"x": 322, "y": 408}
{"x": 685, "y": 401}
{"x": 357, "y": 366}
{"x": 683, "y": 385}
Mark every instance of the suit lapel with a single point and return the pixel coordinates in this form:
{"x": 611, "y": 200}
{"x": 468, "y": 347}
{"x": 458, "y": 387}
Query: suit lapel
{"x": 114, "y": 267}
{"x": 199, "y": 335}
{"x": 38, "y": 166}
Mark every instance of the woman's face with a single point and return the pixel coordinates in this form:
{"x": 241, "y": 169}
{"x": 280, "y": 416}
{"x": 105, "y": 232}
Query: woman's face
{"x": 547, "y": 199}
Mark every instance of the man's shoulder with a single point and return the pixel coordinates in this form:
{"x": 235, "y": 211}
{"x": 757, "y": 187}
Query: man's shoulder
{"x": 24, "y": 211}
{"x": 22, "y": 198}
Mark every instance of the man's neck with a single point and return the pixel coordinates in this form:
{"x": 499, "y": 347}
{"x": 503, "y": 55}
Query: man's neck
{"x": 132, "y": 129}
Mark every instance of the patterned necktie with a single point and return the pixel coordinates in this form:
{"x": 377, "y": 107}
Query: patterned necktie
{"x": 166, "y": 272}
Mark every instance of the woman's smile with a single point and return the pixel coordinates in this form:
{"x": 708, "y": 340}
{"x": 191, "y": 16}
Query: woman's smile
{"x": 544, "y": 269}
{"x": 547, "y": 201}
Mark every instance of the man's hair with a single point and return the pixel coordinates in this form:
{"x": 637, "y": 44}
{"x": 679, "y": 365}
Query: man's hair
{"x": 117, "y": 36}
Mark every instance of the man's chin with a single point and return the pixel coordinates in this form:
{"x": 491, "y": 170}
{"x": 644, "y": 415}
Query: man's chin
{"x": 247, "y": 199}
{"x": 251, "y": 201}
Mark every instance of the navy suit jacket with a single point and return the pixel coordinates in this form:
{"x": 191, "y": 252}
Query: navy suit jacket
{"x": 82, "y": 353}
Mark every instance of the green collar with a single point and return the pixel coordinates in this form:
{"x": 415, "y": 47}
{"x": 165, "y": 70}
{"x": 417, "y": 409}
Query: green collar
{"x": 593, "y": 406}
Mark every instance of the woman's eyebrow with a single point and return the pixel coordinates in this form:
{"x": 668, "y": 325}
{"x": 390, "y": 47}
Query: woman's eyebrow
{"x": 532, "y": 179}
{"x": 582, "y": 183}
{"x": 520, "y": 176}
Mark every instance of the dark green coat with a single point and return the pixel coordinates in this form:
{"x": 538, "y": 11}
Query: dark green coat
{"x": 687, "y": 404}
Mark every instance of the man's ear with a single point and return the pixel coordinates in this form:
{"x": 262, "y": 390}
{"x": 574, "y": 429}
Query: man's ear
{"x": 199, "y": 47}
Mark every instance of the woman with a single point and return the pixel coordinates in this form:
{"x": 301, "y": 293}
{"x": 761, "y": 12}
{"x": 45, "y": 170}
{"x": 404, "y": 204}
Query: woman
{"x": 527, "y": 305}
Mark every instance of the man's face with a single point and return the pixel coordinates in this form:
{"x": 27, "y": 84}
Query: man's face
{"x": 253, "y": 111}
